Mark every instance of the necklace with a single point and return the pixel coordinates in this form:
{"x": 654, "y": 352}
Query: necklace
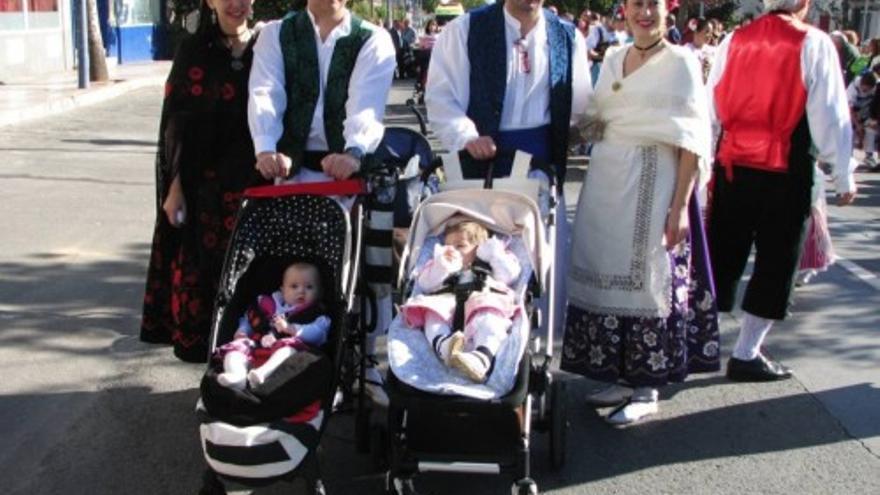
{"x": 229, "y": 41}
{"x": 643, "y": 51}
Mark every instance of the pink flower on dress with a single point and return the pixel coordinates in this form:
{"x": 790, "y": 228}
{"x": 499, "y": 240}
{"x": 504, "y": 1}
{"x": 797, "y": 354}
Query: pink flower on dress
{"x": 196, "y": 73}
{"x": 227, "y": 91}
{"x": 196, "y": 90}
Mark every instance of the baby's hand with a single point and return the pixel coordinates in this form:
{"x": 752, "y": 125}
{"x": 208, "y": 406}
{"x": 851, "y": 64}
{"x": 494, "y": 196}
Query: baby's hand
{"x": 268, "y": 340}
{"x": 491, "y": 249}
{"x": 449, "y": 258}
{"x": 280, "y": 324}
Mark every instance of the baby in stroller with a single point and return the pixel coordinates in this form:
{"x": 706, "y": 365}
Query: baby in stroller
{"x": 288, "y": 320}
{"x": 466, "y": 284}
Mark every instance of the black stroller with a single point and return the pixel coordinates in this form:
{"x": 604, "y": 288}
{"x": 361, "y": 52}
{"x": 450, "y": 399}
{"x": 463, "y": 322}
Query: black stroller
{"x": 458, "y": 426}
{"x": 257, "y": 437}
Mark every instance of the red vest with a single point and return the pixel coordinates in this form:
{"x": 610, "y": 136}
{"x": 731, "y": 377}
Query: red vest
{"x": 761, "y": 96}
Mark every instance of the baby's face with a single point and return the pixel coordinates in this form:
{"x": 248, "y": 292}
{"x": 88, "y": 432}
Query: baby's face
{"x": 300, "y": 285}
{"x": 462, "y": 243}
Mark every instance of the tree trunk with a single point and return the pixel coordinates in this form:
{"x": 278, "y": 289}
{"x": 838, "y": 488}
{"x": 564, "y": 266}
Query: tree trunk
{"x": 97, "y": 58}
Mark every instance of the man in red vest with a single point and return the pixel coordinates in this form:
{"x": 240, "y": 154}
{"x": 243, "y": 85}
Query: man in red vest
{"x": 776, "y": 89}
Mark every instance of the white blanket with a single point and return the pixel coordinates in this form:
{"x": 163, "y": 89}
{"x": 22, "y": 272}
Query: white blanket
{"x": 413, "y": 361}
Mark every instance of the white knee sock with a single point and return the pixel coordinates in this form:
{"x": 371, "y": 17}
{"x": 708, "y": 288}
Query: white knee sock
{"x": 437, "y": 333}
{"x": 751, "y": 336}
{"x": 235, "y": 368}
{"x": 257, "y": 376}
{"x": 489, "y": 331}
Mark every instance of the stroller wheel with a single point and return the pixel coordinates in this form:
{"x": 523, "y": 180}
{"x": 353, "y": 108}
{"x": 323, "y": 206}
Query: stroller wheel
{"x": 558, "y": 423}
{"x": 211, "y": 485}
{"x": 525, "y": 486}
{"x": 399, "y": 486}
{"x": 379, "y": 447}
{"x": 318, "y": 488}
{"x": 362, "y": 430}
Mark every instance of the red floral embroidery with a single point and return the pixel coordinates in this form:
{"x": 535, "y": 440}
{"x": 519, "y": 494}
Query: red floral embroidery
{"x": 175, "y": 306}
{"x": 227, "y": 91}
{"x": 168, "y": 89}
{"x": 229, "y": 223}
{"x": 196, "y": 73}
{"x": 209, "y": 240}
{"x": 193, "y": 307}
{"x": 196, "y": 90}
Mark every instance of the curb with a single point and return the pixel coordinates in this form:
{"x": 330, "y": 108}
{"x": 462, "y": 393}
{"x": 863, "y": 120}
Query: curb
{"x": 96, "y": 94}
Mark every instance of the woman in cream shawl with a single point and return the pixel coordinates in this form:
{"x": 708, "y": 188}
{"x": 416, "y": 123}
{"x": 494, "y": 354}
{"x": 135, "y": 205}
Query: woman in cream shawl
{"x": 641, "y": 307}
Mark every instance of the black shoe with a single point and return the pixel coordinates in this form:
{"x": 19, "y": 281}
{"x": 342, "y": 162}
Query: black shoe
{"x": 759, "y": 369}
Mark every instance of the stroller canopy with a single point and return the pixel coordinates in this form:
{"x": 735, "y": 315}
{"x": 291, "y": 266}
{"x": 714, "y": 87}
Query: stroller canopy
{"x": 506, "y": 212}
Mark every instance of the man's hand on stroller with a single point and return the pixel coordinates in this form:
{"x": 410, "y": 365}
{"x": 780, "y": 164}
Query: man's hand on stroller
{"x": 340, "y": 166}
{"x": 271, "y": 164}
{"x": 481, "y": 148}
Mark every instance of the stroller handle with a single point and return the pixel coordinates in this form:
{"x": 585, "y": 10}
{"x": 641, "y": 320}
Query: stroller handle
{"x": 465, "y": 156}
{"x": 329, "y": 188}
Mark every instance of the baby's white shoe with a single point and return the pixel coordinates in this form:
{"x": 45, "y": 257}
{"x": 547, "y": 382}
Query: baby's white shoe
{"x": 235, "y": 381}
{"x": 255, "y": 378}
{"x": 475, "y": 365}
{"x": 449, "y": 345}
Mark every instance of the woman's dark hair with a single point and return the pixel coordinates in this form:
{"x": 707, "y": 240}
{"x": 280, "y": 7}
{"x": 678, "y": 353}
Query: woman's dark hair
{"x": 207, "y": 27}
{"x": 701, "y": 24}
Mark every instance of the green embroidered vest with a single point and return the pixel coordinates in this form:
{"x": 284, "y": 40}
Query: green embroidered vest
{"x": 301, "y": 73}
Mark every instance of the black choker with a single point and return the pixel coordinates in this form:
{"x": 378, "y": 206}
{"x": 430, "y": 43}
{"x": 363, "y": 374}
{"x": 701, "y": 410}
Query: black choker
{"x": 652, "y": 45}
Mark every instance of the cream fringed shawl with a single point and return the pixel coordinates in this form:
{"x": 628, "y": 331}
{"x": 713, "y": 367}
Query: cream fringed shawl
{"x": 619, "y": 264}
{"x": 664, "y": 101}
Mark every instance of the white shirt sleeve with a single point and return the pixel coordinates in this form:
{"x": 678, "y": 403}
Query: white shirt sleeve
{"x": 715, "y": 73}
{"x": 827, "y": 109}
{"x": 267, "y": 99}
{"x": 447, "y": 90}
{"x": 368, "y": 92}
{"x": 581, "y": 84}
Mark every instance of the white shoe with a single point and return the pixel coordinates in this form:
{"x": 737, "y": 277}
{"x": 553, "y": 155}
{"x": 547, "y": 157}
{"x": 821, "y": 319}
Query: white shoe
{"x": 451, "y": 345}
{"x": 374, "y": 384}
{"x": 611, "y": 395}
{"x": 255, "y": 378}
{"x": 634, "y": 411}
{"x": 233, "y": 381}
{"x": 474, "y": 365}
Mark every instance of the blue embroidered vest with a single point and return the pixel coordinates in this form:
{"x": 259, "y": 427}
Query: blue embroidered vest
{"x": 487, "y": 50}
{"x": 302, "y": 79}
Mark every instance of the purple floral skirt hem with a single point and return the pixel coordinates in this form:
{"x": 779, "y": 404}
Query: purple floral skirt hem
{"x": 652, "y": 351}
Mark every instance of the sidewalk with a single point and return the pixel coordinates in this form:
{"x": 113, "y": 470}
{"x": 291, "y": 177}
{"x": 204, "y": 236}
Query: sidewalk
{"x": 32, "y": 98}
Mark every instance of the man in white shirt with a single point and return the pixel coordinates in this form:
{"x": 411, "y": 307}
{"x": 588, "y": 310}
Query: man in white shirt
{"x": 320, "y": 109}
{"x": 507, "y": 77}
{"x": 763, "y": 180}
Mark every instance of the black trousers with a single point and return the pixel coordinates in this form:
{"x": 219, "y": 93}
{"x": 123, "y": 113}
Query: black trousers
{"x": 769, "y": 210}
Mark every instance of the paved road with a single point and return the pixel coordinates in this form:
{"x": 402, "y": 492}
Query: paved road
{"x": 86, "y": 408}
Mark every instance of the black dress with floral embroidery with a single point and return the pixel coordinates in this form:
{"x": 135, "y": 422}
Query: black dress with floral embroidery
{"x": 203, "y": 138}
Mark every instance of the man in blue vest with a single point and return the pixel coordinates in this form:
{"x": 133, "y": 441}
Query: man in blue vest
{"x": 318, "y": 88}
{"x": 510, "y": 76}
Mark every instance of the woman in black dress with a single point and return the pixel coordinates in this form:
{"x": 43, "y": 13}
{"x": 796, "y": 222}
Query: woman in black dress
{"x": 205, "y": 159}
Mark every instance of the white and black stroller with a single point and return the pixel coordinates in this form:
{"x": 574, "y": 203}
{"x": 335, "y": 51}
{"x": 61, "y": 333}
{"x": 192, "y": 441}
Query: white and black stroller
{"x": 255, "y": 437}
{"x": 258, "y": 436}
{"x": 439, "y": 420}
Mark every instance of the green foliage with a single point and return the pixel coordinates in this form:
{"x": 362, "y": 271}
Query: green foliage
{"x": 266, "y": 10}
{"x": 575, "y": 7}
{"x": 429, "y": 5}
{"x": 724, "y": 12}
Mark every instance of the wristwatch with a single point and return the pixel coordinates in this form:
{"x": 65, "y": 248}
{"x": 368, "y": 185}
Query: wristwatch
{"x": 357, "y": 153}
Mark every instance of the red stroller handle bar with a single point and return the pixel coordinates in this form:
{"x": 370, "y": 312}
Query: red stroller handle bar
{"x": 330, "y": 188}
